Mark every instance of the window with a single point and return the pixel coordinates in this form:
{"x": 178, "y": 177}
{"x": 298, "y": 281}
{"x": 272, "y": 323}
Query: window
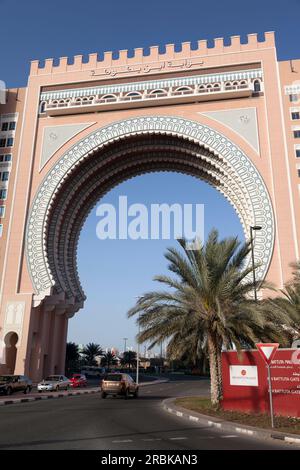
{"x": 5, "y": 175}
{"x": 2, "y": 211}
{"x": 257, "y": 86}
{"x": 4, "y": 126}
{"x": 297, "y": 134}
{"x": 5, "y": 158}
{"x": 298, "y": 153}
{"x": 293, "y": 98}
{"x": 2, "y": 142}
{"x": 12, "y": 125}
{"x": 10, "y": 142}
{"x": 295, "y": 115}
{"x": 1, "y": 230}
{"x": 3, "y": 194}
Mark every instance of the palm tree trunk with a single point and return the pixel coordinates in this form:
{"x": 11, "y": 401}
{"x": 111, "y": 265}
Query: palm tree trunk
{"x": 214, "y": 369}
{"x": 220, "y": 384}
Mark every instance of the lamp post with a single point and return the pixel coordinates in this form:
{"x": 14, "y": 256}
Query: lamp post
{"x": 125, "y": 339}
{"x": 138, "y": 357}
{"x": 253, "y": 228}
{"x": 138, "y": 351}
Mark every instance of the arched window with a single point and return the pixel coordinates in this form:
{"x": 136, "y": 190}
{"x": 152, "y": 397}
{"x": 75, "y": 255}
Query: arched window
{"x": 183, "y": 90}
{"x": 109, "y": 98}
{"x": 133, "y": 94}
{"x": 257, "y": 87}
{"x": 42, "y": 107}
{"x": 158, "y": 92}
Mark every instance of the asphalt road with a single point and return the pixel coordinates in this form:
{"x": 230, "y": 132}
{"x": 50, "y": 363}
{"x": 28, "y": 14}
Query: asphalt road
{"x": 89, "y": 422}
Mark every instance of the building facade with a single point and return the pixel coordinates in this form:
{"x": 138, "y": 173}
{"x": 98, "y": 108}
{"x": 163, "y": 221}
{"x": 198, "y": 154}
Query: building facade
{"x": 227, "y": 114}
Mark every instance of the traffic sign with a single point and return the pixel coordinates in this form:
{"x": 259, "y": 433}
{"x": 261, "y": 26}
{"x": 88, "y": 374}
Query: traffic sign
{"x": 267, "y": 351}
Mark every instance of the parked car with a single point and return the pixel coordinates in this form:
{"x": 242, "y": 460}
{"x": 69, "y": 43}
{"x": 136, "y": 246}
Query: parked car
{"x": 118, "y": 384}
{"x": 93, "y": 371}
{"x": 54, "y": 383}
{"x": 78, "y": 380}
{"x": 14, "y": 383}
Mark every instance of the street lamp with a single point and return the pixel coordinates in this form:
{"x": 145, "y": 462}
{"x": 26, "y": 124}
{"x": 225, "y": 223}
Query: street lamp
{"x": 125, "y": 339}
{"x": 138, "y": 350}
{"x": 253, "y": 228}
{"x": 138, "y": 356}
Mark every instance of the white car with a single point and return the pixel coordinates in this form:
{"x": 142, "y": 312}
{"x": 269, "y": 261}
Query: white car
{"x": 54, "y": 383}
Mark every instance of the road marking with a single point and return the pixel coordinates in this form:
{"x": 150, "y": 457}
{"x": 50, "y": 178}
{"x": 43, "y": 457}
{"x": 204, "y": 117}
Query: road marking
{"x": 194, "y": 418}
{"x": 244, "y": 431}
{"x": 178, "y": 413}
{"x": 292, "y": 439}
{"x": 213, "y": 423}
{"x": 228, "y": 436}
{"x": 177, "y": 438}
{"x": 124, "y": 440}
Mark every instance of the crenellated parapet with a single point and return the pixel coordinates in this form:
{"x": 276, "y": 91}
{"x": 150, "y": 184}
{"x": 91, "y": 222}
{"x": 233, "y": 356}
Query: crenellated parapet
{"x": 153, "y": 62}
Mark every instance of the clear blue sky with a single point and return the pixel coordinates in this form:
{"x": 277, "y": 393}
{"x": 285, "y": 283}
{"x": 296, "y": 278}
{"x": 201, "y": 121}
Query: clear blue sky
{"x": 114, "y": 272}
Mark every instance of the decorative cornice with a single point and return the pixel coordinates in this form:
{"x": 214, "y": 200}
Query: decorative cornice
{"x": 241, "y": 173}
{"x": 152, "y": 84}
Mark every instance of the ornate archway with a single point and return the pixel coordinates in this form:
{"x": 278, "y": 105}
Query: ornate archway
{"x": 118, "y": 152}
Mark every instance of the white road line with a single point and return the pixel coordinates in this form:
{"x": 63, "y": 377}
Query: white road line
{"x": 228, "y": 436}
{"x": 244, "y": 431}
{"x": 177, "y": 438}
{"x": 124, "y": 440}
{"x": 194, "y": 418}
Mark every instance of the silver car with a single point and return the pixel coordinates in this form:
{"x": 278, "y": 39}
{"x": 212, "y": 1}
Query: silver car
{"x": 54, "y": 383}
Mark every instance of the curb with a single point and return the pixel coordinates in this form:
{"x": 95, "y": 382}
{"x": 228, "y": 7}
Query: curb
{"x": 41, "y": 397}
{"x": 168, "y": 405}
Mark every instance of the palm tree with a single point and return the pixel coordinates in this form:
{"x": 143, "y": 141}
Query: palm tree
{"x": 129, "y": 358}
{"x": 208, "y": 305}
{"x": 90, "y": 352}
{"x": 290, "y": 302}
{"x": 72, "y": 357}
{"x": 108, "y": 359}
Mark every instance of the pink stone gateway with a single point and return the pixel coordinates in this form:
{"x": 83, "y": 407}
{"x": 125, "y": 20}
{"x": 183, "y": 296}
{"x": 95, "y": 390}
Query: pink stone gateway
{"x": 229, "y": 114}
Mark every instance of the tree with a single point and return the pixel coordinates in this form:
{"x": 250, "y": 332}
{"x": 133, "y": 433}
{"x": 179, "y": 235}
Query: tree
{"x": 129, "y": 358}
{"x": 289, "y": 303}
{"x": 90, "y": 352}
{"x": 108, "y": 360}
{"x": 72, "y": 357}
{"x": 208, "y": 305}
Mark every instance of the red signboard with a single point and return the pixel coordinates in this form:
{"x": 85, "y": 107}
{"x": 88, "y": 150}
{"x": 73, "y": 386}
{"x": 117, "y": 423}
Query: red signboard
{"x": 245, "y": 382}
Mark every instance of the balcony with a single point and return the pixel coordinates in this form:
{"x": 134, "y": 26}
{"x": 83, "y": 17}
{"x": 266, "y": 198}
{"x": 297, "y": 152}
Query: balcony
{"x": 172, "y": 95}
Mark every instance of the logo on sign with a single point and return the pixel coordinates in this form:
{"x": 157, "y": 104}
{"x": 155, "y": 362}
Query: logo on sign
{"x": 246, "y": 376}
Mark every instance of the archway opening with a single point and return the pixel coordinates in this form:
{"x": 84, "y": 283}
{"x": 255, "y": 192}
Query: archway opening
{"x": 10, "y": 341}
{"x": 114, "y": 272}
{"x": 101, "y": 161}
